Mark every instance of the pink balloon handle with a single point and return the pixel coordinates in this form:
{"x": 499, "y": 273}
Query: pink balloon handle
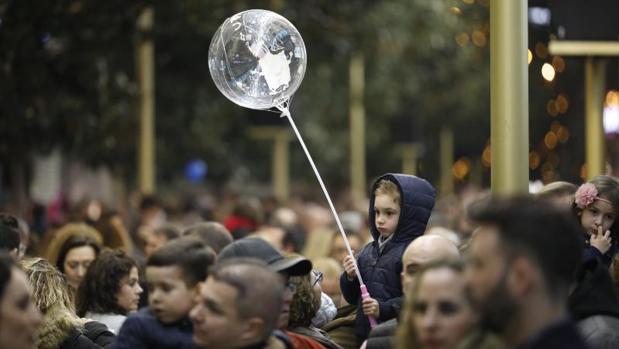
{"x": 366, "y": 295}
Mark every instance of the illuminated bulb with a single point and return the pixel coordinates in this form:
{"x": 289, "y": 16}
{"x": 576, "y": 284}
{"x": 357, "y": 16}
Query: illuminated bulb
{"x": 548, "y": 72}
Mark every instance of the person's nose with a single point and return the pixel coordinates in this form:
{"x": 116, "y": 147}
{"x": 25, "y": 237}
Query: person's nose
{"x": 380, "y": 219}
{"x": 139, "y": 289}
{"x": 429, "y": 320}
{"x": 153, "y": 296}
{"x": 81, "y": 271}
{"x": 597, "y": 220}
{"x": 195, "y": 314}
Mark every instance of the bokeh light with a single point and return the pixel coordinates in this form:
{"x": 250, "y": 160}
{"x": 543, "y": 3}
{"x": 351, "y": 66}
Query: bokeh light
{"x": 541, "y": 50}
{"x": 461, "y": 168}
{"x": 550, "y": 140}
{"x": 462, "y": 39}
{"x": 548, "y": 72}
{"x": 551, "y": 108}
{"x": 558, "y": 63}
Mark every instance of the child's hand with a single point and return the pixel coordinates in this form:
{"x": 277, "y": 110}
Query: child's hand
{"x": 601, "y": 241}
{"x": 349, "y": 267}
{"x": 371, "y": 308}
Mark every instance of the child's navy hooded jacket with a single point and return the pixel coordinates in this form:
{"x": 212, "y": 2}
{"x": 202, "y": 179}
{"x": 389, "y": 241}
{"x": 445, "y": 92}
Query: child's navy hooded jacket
{"x": 381, "y": 271}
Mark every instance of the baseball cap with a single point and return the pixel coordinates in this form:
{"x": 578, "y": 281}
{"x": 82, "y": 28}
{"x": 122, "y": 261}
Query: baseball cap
{"x": 262, "y": 250}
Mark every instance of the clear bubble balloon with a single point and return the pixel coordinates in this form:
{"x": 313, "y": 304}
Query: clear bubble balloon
{"x": 257, "y": 59}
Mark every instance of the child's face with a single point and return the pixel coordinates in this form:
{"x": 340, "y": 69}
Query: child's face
{"x": 169, "y": 297}
{"x": 599, "y": 213}
{"x": 386, "y": 214}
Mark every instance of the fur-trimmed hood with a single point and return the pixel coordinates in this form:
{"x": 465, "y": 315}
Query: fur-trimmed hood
{"x": 58, "y": 325}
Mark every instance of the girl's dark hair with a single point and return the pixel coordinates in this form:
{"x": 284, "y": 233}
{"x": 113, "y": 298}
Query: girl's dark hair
{"x": 6, "y": 269}
{"x": 97, "y": 291}
{"x": 74, "y": 242}
{"x": 608, "y": 187}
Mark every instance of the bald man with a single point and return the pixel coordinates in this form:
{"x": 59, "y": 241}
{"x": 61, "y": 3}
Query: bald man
{"x": 419, "y": 253}
{"x": 422, "y": 251}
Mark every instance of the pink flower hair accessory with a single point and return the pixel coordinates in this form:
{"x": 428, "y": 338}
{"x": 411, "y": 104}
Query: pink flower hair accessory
{"x": 585, "y": 195}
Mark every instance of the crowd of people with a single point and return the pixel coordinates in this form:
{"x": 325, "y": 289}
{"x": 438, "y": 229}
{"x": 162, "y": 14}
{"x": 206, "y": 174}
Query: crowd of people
{"x": 534, "y": 271}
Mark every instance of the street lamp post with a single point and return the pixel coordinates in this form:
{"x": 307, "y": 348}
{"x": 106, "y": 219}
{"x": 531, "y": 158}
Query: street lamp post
{"x": 595, "y": 72}
{"x": 509, "y": 103}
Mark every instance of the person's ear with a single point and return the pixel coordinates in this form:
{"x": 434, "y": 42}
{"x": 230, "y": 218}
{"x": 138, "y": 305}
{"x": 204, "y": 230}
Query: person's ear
{"x": 254, "y": 328}
{"x": 196, "y": 289}
{"x": 522, "y": 277}
{"x": 14, "y": 253}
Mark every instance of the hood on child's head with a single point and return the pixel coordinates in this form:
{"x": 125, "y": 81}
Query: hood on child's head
{"x": 417, "y": 198}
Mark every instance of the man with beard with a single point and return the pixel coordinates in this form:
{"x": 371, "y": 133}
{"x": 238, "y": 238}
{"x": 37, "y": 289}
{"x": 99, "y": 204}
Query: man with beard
{"x": 521, "y": 264}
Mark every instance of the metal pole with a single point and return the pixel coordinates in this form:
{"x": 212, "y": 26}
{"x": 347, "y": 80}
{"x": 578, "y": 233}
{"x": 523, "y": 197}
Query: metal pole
{"x": 410, "y": 153}
{"x": 594, "y": 96}
{"x": 447, "y": 159}
{"x": 509, "y": 102}
{"x": 281, "y": 176}
{"x": 146, "y": 150}
{"x": 357, "y": 127}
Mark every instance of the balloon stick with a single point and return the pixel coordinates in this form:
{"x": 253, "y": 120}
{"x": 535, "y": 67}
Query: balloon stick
{"x": 284, "y": 108}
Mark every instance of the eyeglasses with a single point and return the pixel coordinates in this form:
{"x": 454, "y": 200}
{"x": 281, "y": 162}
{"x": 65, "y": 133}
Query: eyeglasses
{"x": 291, "y": 286}
{"x": 317, "y": 277}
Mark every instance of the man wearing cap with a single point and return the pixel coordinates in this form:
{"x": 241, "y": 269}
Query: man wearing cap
{"x": 293, "y": 266}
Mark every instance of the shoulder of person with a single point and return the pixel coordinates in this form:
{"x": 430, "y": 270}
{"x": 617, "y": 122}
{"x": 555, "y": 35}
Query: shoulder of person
{"x": 99, "y": 333}
{"x": 279, "y": 337}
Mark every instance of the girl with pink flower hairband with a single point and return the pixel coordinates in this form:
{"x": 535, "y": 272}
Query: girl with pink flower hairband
{"x": 595, "y": 206}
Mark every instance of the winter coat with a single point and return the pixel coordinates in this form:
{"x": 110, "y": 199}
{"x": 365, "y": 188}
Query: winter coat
{"x": 595, "y": 306}
{"x": 594, "y": 293}
{"x": 563, "y": 335}
{"x": 600, "y": 331}
{"x": 342, "y": 328}
{"x": 318, "y": 335}
{"x": 591, "y": 252}
{"x": 60, "y": 330}
{"x": 380, "y": 271}
{"x": 142, "y": 330}
{"x": 382, "y": 336}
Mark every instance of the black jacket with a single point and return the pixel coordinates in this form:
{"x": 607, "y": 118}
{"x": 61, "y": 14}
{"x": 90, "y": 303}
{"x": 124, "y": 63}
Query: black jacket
{"x": 562, "y": 335}
{"x": 94, "y": 336}
{"x": 142, "y": 330}
{"x": 594, "y": 293}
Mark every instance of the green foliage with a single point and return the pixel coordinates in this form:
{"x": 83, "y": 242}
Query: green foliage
{"x": 68, "y": 79}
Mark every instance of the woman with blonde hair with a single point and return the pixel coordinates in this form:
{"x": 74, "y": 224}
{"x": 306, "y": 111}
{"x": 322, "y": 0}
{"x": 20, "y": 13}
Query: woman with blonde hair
{"x": 438, "y": 314}
{"x": 61, "y": 328}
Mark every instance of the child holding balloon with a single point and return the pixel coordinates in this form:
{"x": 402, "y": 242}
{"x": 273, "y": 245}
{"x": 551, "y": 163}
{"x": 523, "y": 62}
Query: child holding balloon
{"x": 400, "y": 206}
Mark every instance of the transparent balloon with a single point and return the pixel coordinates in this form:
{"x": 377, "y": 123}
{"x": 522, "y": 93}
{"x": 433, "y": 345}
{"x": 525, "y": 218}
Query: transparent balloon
{"x": 257, "y": 59}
